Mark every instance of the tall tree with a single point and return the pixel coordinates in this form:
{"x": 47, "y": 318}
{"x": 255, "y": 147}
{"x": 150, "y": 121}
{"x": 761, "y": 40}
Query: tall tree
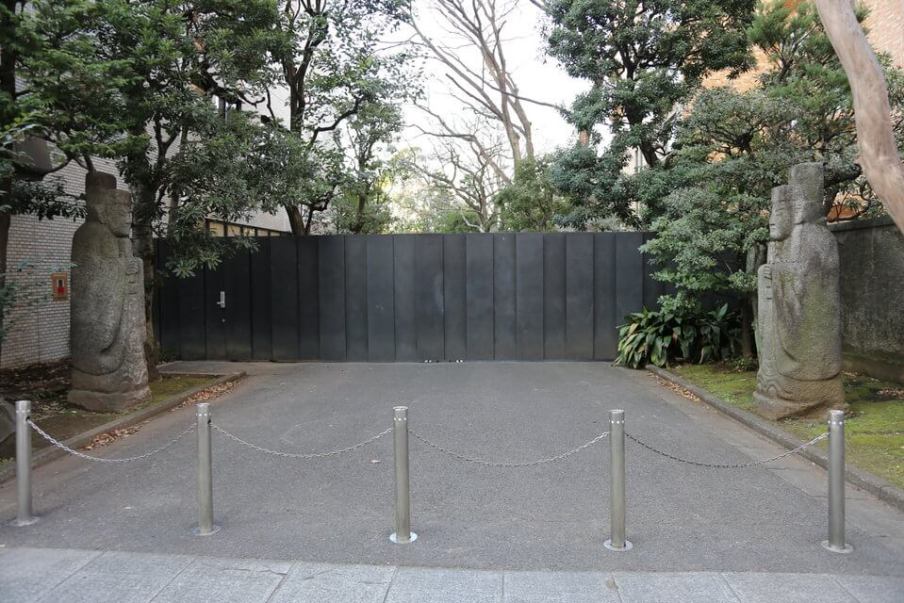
{"x": 878, "y": 147}
{"x": 363, "y": 207}
{"x": 158, "y": 67}
{"x": 733, "y": 147}
{"x": 336, "y": 63}
{"x": 643, "y": 58}
{"x": 24, "y": 159}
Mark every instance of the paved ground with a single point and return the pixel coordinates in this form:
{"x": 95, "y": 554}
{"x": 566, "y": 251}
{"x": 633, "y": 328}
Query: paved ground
{"x": 552, "y": 517}
{"x": 75, "y": 576}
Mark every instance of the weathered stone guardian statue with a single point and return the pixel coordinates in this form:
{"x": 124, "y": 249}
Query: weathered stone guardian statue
{"x": 799, "y": 305}
{"x": 107, "y": 307}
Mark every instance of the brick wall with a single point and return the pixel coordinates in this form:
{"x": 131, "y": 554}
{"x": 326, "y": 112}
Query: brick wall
{"x": 38, "y": 325}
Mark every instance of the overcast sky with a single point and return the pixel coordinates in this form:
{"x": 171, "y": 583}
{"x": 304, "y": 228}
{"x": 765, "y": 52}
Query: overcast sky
{"x": 538, "y": 76}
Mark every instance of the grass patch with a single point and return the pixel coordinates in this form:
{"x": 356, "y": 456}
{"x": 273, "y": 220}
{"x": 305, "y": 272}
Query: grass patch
{"x": 874, "y": 427}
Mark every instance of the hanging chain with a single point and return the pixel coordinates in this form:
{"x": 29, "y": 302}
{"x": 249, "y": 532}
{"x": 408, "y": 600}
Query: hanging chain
{"x": 728, "y": 466}
{"x": 487, "y": 463}
{"x": 290, "y": 455}
{"x": 62, "y": 446}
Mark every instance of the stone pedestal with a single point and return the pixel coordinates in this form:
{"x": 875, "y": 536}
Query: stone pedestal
{"x": 107, "y": 304}
{"x": 799, "y": 304}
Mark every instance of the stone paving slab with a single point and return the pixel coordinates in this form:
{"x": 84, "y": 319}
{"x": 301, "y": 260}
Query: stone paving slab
{"x": 118, "y": 577}
{"x": 788, "y": 588}
{"x": 322, "y": 583}
{"x": 30, "y": 575}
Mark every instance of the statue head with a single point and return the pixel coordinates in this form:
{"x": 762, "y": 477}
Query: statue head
{"x": 107, "y": 205}
{"x": 807, "y": 181}
{"x": 780, "y": 222}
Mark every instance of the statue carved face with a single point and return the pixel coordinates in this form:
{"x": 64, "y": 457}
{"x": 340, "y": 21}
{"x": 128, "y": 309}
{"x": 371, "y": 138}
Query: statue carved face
{"x": 118, "y": 217}
{"x": 114, "y": 212}
{"x": 780, "y": 217}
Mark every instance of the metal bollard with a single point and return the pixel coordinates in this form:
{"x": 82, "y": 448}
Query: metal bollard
{"x": 617, "y": 540}
{"x": 206, "y": 526}
{"x": 403, "y": 533}
{"x": 836, "y": 543}
{"x": 24, "y": 515}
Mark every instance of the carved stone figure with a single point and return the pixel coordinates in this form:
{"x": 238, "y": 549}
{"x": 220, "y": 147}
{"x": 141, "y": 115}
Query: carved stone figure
{"x": 107, "y": 307}
{"x": 799, "y": 303}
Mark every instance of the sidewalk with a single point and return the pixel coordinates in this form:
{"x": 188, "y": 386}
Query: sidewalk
{"x": 70, "y": 576}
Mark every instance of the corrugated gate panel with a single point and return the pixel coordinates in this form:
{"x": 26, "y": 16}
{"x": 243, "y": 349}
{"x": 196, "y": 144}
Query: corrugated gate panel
{"x": 579, "y": 290}
{"x": 605, "y": 320}
{"x": 381, "y": 341}
{"x": 428, "y": 295}
{"x": 331, "y": 260}
{"x": 356, "y": 298}
{"x": 405, "y": 316}
{"x": 479, "y": 296}
{"x": 284, "y": 298}
{"x": 505, "y": 317}
{"x": 261, "y": 334}
{"x": 308, "y": 299}
{"x": 554, "y": 296}
{"x": 529, "y": 295}
{"x": 236, "y": 276}
{"x": 454, "y": 302}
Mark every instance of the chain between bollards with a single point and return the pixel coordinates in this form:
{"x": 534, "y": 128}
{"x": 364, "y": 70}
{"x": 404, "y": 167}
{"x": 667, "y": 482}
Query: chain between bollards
{"x": 403, "y": 533}
{"x": 24, "y": 516}
{"x": 206, "y": 526}
{"x": 617, "y": 539}
{"x": 836, "y": 542}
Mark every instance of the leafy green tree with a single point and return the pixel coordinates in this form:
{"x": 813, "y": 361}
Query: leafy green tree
{"x": 642, "y": 58}
{"x": 733, "y": 147}
{"x": 364, "y": 204}
{"x": 335, "y": 68}
{"x": 24, "y": 161}
{"x": 131, "y": 80}
{"x": 530, "y": 202}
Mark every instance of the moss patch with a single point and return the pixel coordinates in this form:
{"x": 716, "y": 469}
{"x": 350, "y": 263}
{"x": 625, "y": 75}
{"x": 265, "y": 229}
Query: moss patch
{"x": 874, "y": 428}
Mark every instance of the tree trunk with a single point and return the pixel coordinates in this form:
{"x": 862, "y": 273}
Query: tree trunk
{"x": 872, "y": 111}
{"x": 358, "y": 225}
{"x": 296, "y": 220}
{"x": 144, "y": 201}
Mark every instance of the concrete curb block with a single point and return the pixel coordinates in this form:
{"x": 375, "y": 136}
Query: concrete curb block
{"x": 867, "y": 481}
{"x": 52, "y": 453}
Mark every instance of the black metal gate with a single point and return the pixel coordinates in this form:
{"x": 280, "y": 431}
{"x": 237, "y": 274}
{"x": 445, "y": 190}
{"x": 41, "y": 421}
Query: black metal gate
{"x": 384, "y": 298}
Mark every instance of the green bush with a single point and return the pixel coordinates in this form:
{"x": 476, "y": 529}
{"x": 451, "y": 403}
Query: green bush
{"x": 662, "y": 337}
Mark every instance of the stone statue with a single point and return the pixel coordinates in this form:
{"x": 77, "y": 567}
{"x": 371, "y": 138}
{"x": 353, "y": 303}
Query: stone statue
{"x": 107, "y": 307}
{"x": 799, "y": 304}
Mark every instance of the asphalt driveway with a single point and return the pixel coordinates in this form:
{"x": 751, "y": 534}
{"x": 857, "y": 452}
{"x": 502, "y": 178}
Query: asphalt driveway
{"x": 339, "y": 510}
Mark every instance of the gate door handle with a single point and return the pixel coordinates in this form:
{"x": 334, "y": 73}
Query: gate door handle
{"x": 222, "y": 302}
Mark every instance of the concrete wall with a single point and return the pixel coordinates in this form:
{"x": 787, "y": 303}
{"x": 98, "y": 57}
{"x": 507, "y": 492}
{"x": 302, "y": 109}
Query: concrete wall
{"x": 872, "y": 297}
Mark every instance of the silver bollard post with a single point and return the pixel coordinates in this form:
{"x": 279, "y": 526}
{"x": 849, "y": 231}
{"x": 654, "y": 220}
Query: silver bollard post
{"x": 617, "y": 540}
{"x": 24, "y": 515}
{"x": 206, "y": 526}
{"x": 836, "y": 542}
{"x": 403, "y": 533}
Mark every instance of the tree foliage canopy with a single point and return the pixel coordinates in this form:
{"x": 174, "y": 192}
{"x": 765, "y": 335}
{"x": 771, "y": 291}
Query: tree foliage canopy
{"x": 643, "y": 59}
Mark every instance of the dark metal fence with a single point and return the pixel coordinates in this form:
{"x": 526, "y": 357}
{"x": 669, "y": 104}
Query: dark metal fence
{"x": 384, "y": 298}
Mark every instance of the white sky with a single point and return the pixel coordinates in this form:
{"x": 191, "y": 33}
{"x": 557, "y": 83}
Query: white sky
{"x": 537, "y": 75}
